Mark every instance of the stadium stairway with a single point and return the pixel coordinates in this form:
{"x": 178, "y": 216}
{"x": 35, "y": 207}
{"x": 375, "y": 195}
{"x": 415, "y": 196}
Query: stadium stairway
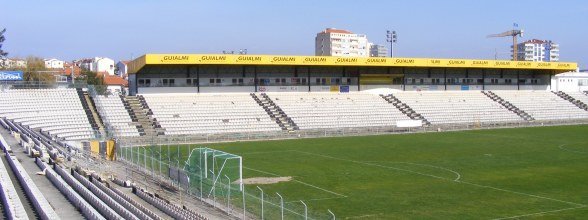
{"x": 133, "y": 116}
{"x": 404, "y": 108}
{"x": 571, "y": 99}
{"x": 141, "y": 113}
{"x": 508, "y": 105}
{"x": 90, "y": 109}
{"x": 275, "y": 112}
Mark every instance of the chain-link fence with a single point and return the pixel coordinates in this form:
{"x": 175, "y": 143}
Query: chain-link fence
{"x": 179, "y": 167}
{"x": 171, "y": 160}
{"x": 339, "y": 132}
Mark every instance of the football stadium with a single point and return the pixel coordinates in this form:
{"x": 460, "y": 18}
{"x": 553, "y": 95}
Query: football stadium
{"x": 220, "y": 136}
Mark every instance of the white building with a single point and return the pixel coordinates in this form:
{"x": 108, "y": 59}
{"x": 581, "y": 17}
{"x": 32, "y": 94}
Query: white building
{"x": 570, "y": 82}
{"x": 97, "y": 64}
{"x": 538, "y": 51}
{"x": 53, "y": 64}
{"x": 103, "y": 64}
{"x": 122, "y": 68}
{"x": 342, "y": 43}
{"x": 13, "y": 63}
{"x": 378, "y": 50}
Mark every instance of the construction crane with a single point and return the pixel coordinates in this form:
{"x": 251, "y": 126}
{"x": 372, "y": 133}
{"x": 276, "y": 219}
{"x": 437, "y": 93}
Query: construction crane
{"x": 514, "y": 33}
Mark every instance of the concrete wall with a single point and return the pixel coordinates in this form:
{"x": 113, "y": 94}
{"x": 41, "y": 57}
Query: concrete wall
{"x": 227, "y": 89}
{"x": 282, "y": 88}
{"x": 368, "y": 87}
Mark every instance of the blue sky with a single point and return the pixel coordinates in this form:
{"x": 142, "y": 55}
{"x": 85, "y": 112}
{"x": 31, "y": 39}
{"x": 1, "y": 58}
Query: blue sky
{"x": 442, "y": 29}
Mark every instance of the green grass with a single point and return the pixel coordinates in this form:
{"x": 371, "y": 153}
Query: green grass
{"x": 482, "y": 174}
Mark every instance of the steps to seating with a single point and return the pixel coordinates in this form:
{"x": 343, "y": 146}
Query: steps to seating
{"x": 336, "y": 110}
{"x": 275, "y": 112}
{"x": 571, "y": 99}
{"x": 543, "y": 105}
{"x": 195, "y": 114}
{"x": 91, "y": 112}
{"x": 508, "y": 105}
{"x": 404, "y": 108}
{"x": 141, "y": 114}
{"x": 116, "y": 116}
{"x": 454, "y": 107}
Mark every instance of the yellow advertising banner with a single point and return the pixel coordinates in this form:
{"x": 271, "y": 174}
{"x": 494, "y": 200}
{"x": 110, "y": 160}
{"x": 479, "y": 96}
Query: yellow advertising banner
{"x": 231, "y": 59}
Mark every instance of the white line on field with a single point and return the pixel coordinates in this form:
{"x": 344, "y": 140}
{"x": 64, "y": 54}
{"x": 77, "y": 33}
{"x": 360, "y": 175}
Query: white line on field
{"x": 562, "y": 147}
{"x": 429, "y": 175}
{"x": 457, "y": 175}
{"x": 521, "y": 193}
{"x": 266, "y": 152}
{"x": 363, "y": 216}
{"x": 318, "y": 199}
{"x": 298, "y": 181}
{"x": 376, "y": 165}
{"x": 540, "y": 213}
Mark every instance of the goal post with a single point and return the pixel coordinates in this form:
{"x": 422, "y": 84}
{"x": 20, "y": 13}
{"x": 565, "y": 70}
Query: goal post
{"x": 210, "y": 169}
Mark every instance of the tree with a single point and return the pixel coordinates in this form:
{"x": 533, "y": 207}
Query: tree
{"x": 3, "y": 53}
{"x": 36, "y": 71}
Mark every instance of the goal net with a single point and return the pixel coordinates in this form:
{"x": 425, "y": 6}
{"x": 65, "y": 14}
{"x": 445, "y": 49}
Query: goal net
{"x": 214, "y": 171}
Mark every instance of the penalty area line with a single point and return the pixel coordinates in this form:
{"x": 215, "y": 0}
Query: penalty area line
{"x": 298, "y": 181}
{"x": 438, "y": 177}
{"x": 540, "y": 213}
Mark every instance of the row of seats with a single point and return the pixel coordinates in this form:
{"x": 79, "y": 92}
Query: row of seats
{"x": 543, "y": 105}
{"x": 443, "y": 107}
{"x": 185, "y": 114}
{"x": 37, "y": 199}
{"x": 60, "y": 111}
{"x": 583, "y": 97}
{"x": 115, "y": 116}
{"x": 172, "y": 210}
{"x": 337, "y": 110}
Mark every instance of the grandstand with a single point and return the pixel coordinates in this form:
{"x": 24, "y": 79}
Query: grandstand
{"x": 543, "y": 105}
{"x": 456, "y": 107}
{"x": 116, "y": 116}
{"x": 337, "y": 110}
{"x": 181, "y": 114}
{"x": 240, "y": 97}
{"x": 58, "y": 112}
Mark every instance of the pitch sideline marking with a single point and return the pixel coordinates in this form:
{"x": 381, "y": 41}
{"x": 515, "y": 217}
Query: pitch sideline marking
{"x": 318, "y": 199}
{"x": 376, "y": 165}
{"x": 458, "y": 181}
{"x": 264, "y": 152}
{"x": 539, "y": 213}
{"x": 562, "y": 147}
{"x": 298, "y": 181}
{"x": 363, "y": 216}
{"x": 457, "y": 174}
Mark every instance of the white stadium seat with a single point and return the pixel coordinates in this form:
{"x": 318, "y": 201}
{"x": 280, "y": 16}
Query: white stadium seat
{"x": 115, "y": 116}
{"x": 443, "y": 107}
{"x": 543, "y": 105}
{"x": 337, "y": 110}
{"x": 56, "y": 111}
{"x": 184, "y": 114}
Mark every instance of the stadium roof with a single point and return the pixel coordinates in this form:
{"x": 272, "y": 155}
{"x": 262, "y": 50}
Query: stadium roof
{"x": 265, "y": 60}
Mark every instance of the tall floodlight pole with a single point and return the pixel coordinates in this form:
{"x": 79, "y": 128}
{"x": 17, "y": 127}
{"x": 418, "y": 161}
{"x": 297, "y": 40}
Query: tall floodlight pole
{"x": 391, "y": 38}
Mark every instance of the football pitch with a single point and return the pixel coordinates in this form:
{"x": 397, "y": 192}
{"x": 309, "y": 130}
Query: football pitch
{"x": 522, "y": 173}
